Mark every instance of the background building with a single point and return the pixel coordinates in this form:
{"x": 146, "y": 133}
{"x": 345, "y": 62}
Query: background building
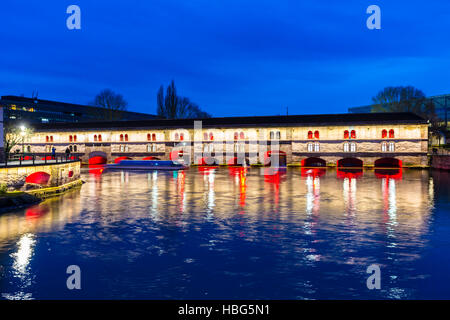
{"x": 441, "y": 104}
{"x": 31, "y": 110}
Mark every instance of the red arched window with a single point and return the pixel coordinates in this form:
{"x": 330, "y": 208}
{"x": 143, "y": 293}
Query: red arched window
{"x": 154, "y": 137}
{"x": 75, "y": 138}
{"x": 346, "y": 134}
{"x": 353, "y": 134}
{"x": 310, "y": 134}
{"x": 95, "y": 137}
{"x": 148, "y": 136}
{"x": 236, "y": 136}
{"x": 70, "y": 138}
{"x": 241, "y": 136}
{"x": 121, "y": 137}
{"x": 99, "y": 137}
{"x": 46, "y": 139}
{"x": 391, "y": 133}
{"x": 126, "y": 137}
{"x": 51, "y": 138}
{"x": 211, "y": 136}
{"x": 181, "y": 136}
{"x": 176, "y": 136}
{"x": 384, "y": 133}
{"x": 316, "y": 134}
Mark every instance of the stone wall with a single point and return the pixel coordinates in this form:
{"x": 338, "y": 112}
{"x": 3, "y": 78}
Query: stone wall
{"x": 14, "y": 177}
{"x": 409, "y": 142}
{"x": 440, "y": 162}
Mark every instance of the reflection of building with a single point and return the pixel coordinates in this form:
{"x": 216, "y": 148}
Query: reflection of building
{"x": 362, "y": 138}
{"x": 29, "y": 110}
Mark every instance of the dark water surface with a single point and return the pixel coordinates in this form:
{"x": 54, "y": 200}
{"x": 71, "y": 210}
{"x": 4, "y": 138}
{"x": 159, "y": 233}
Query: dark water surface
{"x": 234, "y": 233}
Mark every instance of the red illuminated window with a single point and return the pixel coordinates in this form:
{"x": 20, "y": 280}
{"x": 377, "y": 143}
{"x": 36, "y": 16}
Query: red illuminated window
{"x": 126, "y": 137}
{"x": 181, "y": 136}
{"x": 241, "y": 136}
{"x": 75, "y": 138}
{"x": 310, "y": 134}
{"x": 99, "y": 137}
{"x": 384, "y": 133}
{"x": 391, "y": 133}
{"x": 154, "y": 137}
{"x": 211, "y": 136}
{"x": 70, "y": 138}
{"x": 148, "y": 136}
{"x": 51, "y": 138}
{"x": 46, "y": 139}
{"x": 353, "y": 134}
{"x": 95, "y": 137}
{"x": 316, "y": 134}
{"x": 121, "y": 137}
{"x": 346, "y": 134}
{"x": 236, "y": 136}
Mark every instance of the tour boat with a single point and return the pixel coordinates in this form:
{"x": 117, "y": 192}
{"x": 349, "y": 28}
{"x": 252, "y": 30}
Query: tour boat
{"x": 147, "y": 165}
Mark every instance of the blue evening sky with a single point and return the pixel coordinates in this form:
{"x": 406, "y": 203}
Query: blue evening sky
{"x": 233, "y": 57}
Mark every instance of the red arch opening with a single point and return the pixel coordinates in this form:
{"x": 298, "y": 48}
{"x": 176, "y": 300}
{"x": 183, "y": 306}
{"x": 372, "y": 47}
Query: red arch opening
{"x": 313, "y": 162}
{"x": 117, "y": 160}
{"x": 207, "y": 161}
{"x": 388, "y": 163}
{"x": 350, "y": 162}
{"x": 282, "y": 162}
{"x": 150, "y": 158}
{"x": 39, "y": 177}
{"x": 97, "y": 160}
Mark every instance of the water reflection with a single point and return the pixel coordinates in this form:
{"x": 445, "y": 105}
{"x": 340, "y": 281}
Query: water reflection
{"x": 171, "y": 233}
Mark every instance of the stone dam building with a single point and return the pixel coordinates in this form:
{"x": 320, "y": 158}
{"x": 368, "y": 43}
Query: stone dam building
{"x": 346, "y": 140}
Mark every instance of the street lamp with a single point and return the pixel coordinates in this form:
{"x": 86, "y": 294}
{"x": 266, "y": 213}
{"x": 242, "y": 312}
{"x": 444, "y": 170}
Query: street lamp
{"x": 23, "y": 133}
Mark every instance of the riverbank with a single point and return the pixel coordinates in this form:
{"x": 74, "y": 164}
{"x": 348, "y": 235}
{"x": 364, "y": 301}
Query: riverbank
{"x": 18, "y": 199}
{"x": 441, "y": 162}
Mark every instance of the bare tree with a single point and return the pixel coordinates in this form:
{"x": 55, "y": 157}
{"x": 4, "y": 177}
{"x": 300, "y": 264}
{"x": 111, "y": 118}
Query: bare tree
{"x": 14, "y": 136}
{"x": 404, "y": 99}
{"x": 112, "y": 102}
{"x": 173, "y": 106}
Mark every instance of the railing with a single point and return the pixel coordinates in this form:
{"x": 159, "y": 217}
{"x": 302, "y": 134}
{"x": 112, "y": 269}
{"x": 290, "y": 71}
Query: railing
{"x": 26, "y": 159}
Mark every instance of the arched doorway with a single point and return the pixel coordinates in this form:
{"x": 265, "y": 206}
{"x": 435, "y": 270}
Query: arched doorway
{"x": 388, "y": 163}
{"x": 97, "y": 157}
{"x": 350, "y": 162}
{"x": 282, "y": 162}
{"x": 313, "y": 162}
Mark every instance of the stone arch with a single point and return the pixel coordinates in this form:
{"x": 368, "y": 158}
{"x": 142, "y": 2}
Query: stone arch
{"x": 98, "y": 157}
{"x": 313, "y": 162}
{"x": 388, "y": 163}
{"x": 350, "y": 162}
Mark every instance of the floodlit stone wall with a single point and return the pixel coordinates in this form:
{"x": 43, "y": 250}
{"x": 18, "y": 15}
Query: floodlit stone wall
{"x": 409, "y": 144}
{"x": 14, "y": 177}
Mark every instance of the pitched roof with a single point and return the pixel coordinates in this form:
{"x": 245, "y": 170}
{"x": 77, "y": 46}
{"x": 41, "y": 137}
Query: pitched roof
{"x": 257, "y": 121}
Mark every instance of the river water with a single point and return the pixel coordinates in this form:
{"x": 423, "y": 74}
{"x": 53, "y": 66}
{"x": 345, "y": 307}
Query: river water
{"x": 234, "y": 233}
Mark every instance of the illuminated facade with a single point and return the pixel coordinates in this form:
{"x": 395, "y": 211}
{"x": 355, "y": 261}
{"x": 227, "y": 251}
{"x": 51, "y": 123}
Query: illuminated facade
{"x": 310, "y": 140}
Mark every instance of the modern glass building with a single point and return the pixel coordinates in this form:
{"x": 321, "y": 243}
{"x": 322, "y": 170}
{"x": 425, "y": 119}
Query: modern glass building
{"x": 30, "y": 111}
